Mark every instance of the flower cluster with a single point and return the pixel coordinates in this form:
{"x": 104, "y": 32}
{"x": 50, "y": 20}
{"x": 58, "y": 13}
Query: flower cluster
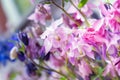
{"x": 80, "y": 45}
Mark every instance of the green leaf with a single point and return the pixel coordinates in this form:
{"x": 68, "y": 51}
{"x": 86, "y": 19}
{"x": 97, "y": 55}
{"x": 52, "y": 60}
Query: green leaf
{"x": 13, "y": 75}
{"x": 62, "y": 78}
{"x": 98, "y": 71}
{"x": 66, "y": 0}
{"x": 22, "y": 48}
{"x": 82, "y": 3}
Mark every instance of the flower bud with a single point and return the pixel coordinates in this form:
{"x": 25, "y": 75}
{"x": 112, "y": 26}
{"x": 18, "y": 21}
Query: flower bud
{"x": 21, "y": 56}
{"x": 24, "y": 38}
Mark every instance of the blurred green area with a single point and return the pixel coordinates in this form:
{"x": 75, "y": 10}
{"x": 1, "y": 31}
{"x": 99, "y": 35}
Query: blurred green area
{"x": 23, "y": 6}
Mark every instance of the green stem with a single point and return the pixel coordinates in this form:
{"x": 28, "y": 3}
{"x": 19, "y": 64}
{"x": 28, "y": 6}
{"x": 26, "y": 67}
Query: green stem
{"x": 70, "y": 72}
{"x": 63, "y": 3}
{"x": 86, "y": 21}
{"x": 50, "y": 69}
{"x": 65, "y": 12}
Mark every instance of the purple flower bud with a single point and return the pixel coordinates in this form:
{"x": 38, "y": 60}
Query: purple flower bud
{"x": 104, "y": 47}
{"x": 118, "y": 41}
{"x": 107, "y": 6}
{"x": 21, "y": 56}
{"x": 24, "y": 38}
{"x": 31, "y": 69}
{"x": 112, "y": 50}
{"x": 47, "y": 57}
{"x": 42, "y": 52}
{"x": 49, "y": 72}
{"x": 95, "y": 15}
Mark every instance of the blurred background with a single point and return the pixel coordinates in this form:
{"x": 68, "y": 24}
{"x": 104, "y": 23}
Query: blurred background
{"x": 13, "y": 16}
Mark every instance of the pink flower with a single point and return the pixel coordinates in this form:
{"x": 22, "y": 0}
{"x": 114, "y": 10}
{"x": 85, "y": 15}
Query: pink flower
{"x": 112, "y": 16}
{"x": 49, "y": 35}
{"x": 86, "y": 49}
{"x": 115, "y": 21}
{"x": 109, "y": 69}
{"x": 56, "y": 60}
{"x": 84, "y": 69}
{"x": 92, "y": 37}
{"x": 105, "y": 9}
{"x": 88, "y": 8}
{"x": 112, "y": 67}
{"x": 71, "y": 23}
{"x": 41, "y": 14}
{"x": 117, "y": 4}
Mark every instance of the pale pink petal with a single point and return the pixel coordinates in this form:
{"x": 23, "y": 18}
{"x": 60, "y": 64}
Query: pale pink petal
{"x": 48, "y": 45}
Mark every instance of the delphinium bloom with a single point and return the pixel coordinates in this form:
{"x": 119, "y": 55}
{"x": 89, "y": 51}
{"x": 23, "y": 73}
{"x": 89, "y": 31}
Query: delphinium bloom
{"x": 5, "y": 47}
{"x": 75, "y": 46}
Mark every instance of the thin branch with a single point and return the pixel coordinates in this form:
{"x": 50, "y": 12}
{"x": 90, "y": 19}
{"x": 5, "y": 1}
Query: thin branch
{"x": 65, "y": 12}
{"x": 63, "y": 4}
{"x": 80, "y": 13}
{"x": 49, "y": 69}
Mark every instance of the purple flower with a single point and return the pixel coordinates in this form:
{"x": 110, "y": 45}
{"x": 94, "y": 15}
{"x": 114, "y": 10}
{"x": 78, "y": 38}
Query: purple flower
{"x": 33, "y": 48}
{"x": 42, "y": 52}
{"x": 31, "y": 69}
{"x": 112, "y": 50}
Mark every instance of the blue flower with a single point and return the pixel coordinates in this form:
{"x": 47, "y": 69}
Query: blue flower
{"x": 5, "y": 47}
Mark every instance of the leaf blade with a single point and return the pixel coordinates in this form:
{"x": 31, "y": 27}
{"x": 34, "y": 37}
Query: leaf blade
{"x": 82, "y": 3}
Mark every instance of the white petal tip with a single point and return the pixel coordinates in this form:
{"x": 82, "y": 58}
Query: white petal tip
{"x": 13, "y": 53}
